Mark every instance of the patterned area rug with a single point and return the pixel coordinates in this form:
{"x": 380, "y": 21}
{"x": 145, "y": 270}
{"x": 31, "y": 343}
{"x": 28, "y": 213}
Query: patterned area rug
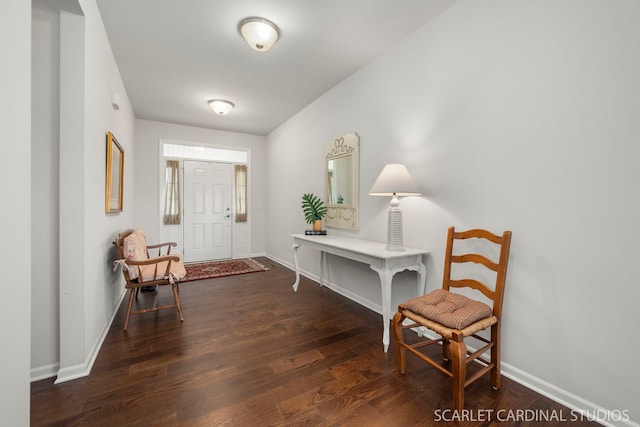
{"x": 209, "y": 270}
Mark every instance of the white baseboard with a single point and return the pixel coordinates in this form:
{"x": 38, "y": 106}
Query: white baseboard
{"x": 73, "y": 372}
{"x": 44, "y": 372}
{"x": 337, "y": 289}
{"x": 84, "y": 369}
{"x": 606, "y": 417}
{"x": 581, "y": 408}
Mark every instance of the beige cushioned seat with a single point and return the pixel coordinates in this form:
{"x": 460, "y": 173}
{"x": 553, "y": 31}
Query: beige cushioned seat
{"x": 452, "y": 310}
{"x": 150, "y": 272}
{"x": 140, "y": 270}
{"x": 135, "y": 249}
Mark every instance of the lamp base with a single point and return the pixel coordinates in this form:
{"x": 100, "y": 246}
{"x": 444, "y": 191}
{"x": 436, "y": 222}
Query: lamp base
{"x": 394, "y": 230}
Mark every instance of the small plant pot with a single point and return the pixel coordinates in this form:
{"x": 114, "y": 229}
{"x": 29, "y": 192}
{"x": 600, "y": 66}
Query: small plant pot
{"x": 317, "y": 225}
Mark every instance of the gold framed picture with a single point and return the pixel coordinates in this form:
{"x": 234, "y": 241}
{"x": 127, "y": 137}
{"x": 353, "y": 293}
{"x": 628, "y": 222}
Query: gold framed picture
{"x": 115, "y": 175}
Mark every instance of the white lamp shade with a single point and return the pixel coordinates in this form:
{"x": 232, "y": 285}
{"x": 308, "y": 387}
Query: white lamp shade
{"x": 221, "y": 106}
{"x": 394, "y": 180}
{"x": 260, "y": 34}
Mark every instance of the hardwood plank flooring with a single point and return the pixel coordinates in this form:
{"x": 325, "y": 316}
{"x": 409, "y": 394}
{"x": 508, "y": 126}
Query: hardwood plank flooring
{"x": 251, "y": 352}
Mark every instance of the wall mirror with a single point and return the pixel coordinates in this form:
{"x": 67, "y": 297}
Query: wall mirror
{"x": 341, "y": 159}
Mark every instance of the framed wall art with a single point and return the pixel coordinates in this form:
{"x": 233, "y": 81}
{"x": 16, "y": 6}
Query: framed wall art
{"x": 114, "y": 176}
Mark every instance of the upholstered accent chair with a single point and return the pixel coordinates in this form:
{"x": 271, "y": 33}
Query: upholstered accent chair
{"x": 454, "y": 316}
{"x": 148, "y": 266}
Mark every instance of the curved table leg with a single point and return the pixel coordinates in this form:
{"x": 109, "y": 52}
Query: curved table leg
{"x": 323, "y": 267}
{"x": 294, "y": 249}
{"x": 422, "y": 279}
{"x": 421, "y": 290}
{"x": 386, "y": 276}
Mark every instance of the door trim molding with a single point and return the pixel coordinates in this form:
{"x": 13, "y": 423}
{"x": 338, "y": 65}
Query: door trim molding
{"x": 240, "y": 232}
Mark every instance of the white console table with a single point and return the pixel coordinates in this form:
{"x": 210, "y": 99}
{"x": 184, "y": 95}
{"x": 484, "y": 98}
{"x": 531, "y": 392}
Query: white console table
{"x": 385, "y": 263}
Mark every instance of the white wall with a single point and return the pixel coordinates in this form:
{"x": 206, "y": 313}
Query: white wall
{"x": 69, "y": 328}
{"x": 100, "y": 288}
{"x": 15, "y": 122}
{"x": 104, "y": 286}
{"x": 515, "y": 115}
{"x": 148, "y": 136}
{"x": 45, "y": 169}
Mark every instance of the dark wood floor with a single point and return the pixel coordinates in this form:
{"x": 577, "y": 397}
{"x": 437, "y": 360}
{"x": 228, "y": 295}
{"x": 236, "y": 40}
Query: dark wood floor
{"x": 251, "y": 352}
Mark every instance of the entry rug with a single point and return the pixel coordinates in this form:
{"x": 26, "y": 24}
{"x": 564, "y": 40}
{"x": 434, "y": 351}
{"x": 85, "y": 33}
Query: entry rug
{"x": 231, "y": 267}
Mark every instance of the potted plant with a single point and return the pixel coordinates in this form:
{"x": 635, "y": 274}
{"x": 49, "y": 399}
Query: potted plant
{"x": 314, "y": 210}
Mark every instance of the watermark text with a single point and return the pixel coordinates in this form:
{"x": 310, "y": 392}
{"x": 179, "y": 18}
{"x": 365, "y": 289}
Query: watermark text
{"x": 535, "y": 415}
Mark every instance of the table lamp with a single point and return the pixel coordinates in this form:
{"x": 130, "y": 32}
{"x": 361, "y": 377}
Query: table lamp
{"x": 394, "y": 180}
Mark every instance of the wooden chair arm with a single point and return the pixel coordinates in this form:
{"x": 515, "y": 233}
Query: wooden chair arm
{"x": 155, "y": 260}
{"x": 159, "y": 246}
{"x": 173, "y": 244}
{"x": 161, "y": 274}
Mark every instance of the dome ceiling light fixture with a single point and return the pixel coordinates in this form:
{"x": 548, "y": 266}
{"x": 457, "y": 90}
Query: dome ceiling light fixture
{"x": 260, "y": 34}
{"x": 221, "y": 106}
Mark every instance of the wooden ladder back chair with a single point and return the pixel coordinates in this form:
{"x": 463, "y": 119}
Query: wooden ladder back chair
{"x": 153, "y": 271}
{"x": 454, "y": 316}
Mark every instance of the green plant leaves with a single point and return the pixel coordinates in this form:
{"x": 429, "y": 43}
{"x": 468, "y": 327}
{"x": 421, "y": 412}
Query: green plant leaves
{"x": 313, "y": 207}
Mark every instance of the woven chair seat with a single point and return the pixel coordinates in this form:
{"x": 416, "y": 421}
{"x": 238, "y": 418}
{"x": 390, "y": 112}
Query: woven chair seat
{"x": 452, "y": 310}
{"x": 446, "y": 332}
{"x": 454, "y": 316}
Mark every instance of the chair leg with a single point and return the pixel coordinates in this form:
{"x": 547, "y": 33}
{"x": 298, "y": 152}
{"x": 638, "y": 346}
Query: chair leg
{"x": 458, "y": 369}
{"x": 496, "y": 379}
{"x": 176, "y": 298}
{"x": 446, "y": 349}
{"x": 398, "y": 318}
{"x": 132, "y": 294}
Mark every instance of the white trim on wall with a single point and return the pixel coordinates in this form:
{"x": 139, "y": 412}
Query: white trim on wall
{"x": 84, "y": 369}
{"x": 580, "y": 409}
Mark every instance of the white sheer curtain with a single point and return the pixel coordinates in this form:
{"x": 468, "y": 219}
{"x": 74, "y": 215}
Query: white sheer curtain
{"x": 172, "y": 193}
{"x": 241, "y": 193}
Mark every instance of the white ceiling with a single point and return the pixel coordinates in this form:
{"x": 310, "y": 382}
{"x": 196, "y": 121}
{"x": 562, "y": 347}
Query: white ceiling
{"x": 175, "y": 55}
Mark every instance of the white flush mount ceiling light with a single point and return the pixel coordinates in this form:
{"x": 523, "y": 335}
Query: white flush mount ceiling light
{"x": 221, "y": 106}
{"x": 259, "y": 33}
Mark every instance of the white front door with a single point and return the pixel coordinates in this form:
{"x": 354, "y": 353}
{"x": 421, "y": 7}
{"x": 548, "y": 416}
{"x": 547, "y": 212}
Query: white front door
{"x": 207, "y": 211}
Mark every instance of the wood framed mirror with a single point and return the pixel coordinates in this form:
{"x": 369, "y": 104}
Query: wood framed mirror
{"x": 341, "y": 167}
